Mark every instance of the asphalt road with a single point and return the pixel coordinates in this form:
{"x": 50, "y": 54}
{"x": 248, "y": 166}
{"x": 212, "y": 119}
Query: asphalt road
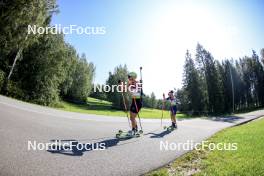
{"x": 22, "y": 123}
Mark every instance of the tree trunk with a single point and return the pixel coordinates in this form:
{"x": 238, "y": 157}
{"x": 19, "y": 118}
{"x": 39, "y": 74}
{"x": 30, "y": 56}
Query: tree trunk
{"x": 5, "y": 85}
{"x": 14, "y": 63}
{"x": 18, "y": 55}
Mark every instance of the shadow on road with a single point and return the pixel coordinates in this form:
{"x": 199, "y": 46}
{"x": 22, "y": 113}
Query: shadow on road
{"x": 159, "y": 135}
{"x": 72, "y": 147}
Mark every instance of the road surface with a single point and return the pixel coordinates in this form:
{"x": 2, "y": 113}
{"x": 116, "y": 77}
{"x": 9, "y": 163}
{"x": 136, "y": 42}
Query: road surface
{"x": 21, "y": 124}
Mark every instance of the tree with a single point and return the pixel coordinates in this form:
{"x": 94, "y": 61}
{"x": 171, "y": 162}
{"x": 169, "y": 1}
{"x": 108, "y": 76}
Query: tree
{"x": 251, "y": 78}
{"x": 14, "y": 37}
{"x": 120, "y": 73}
{"x": 147, "y": 101}
{"x": 192, "y": 86}
{"x": 262, "y": 55}
{"x": 211, "y": 79}
{"x": 72, "y": 60}
{"x": 202, "y": 72}
{"x": 82, "y": 80}
{"x": 42, "y": 70}
{"x": 259, "y": 79}
{"x": 226, "y": 71}
{"x": 159, "y": 104}
{"x": 230, "y": 86}
{"x": 98, "y": 94}
{"x": 182, "y": 100}
{"x": 153, "y": 101}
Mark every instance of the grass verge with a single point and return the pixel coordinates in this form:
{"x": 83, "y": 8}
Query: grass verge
{"x": 246, "y": 160}
{"x": 100, "y": 107}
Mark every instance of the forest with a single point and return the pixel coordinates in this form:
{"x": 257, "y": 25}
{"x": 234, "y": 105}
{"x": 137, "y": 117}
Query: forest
{"x": 44, "y": 69}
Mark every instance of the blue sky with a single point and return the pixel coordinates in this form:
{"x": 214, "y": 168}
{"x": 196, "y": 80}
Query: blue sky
{"x": 155, "y": 34}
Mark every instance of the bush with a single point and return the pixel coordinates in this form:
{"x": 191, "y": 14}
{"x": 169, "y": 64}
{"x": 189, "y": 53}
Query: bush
{"x": 14, "y": 90}
{"x": 2, "y": 79}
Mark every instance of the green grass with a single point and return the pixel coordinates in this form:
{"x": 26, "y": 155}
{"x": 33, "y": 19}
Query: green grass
{"x": 99, "y": 107}
{"x": 246, "y": 160}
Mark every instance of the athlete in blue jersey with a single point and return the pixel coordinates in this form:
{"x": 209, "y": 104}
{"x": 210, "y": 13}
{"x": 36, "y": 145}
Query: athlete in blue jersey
{"x": 173, "y": 107}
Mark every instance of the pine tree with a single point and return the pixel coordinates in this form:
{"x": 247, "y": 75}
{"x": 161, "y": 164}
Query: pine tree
{"x": 211, "y": 81}
{"x": 259, "y": 77}
{"x": 192, "y": 86}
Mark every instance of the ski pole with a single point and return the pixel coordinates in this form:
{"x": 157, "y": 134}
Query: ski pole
{"x": 141, "y": 93}
{"x": 124, "y": 103}
{"x": 141, "y": 83}
{"x": 162, "y": 109}
{"x": 134, "y": 99}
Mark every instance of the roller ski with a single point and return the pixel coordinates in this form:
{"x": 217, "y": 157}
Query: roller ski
{"x": 170, "y": 128}
{"x": 129, "y": 134}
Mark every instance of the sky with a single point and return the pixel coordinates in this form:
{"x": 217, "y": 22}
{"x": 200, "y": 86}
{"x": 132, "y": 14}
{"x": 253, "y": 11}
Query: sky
{"x": 155, "y": 34}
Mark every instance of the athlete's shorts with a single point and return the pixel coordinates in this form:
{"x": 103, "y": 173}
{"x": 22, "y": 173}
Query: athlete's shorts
{"x": 136, "y": 105}
{"x": 173, "y": 110}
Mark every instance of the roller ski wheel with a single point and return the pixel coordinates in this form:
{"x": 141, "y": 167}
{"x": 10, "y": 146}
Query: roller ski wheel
{"x": 129, "y": 134}
{"x": 169, "y": 128}
{"x": 140, "y": 131}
